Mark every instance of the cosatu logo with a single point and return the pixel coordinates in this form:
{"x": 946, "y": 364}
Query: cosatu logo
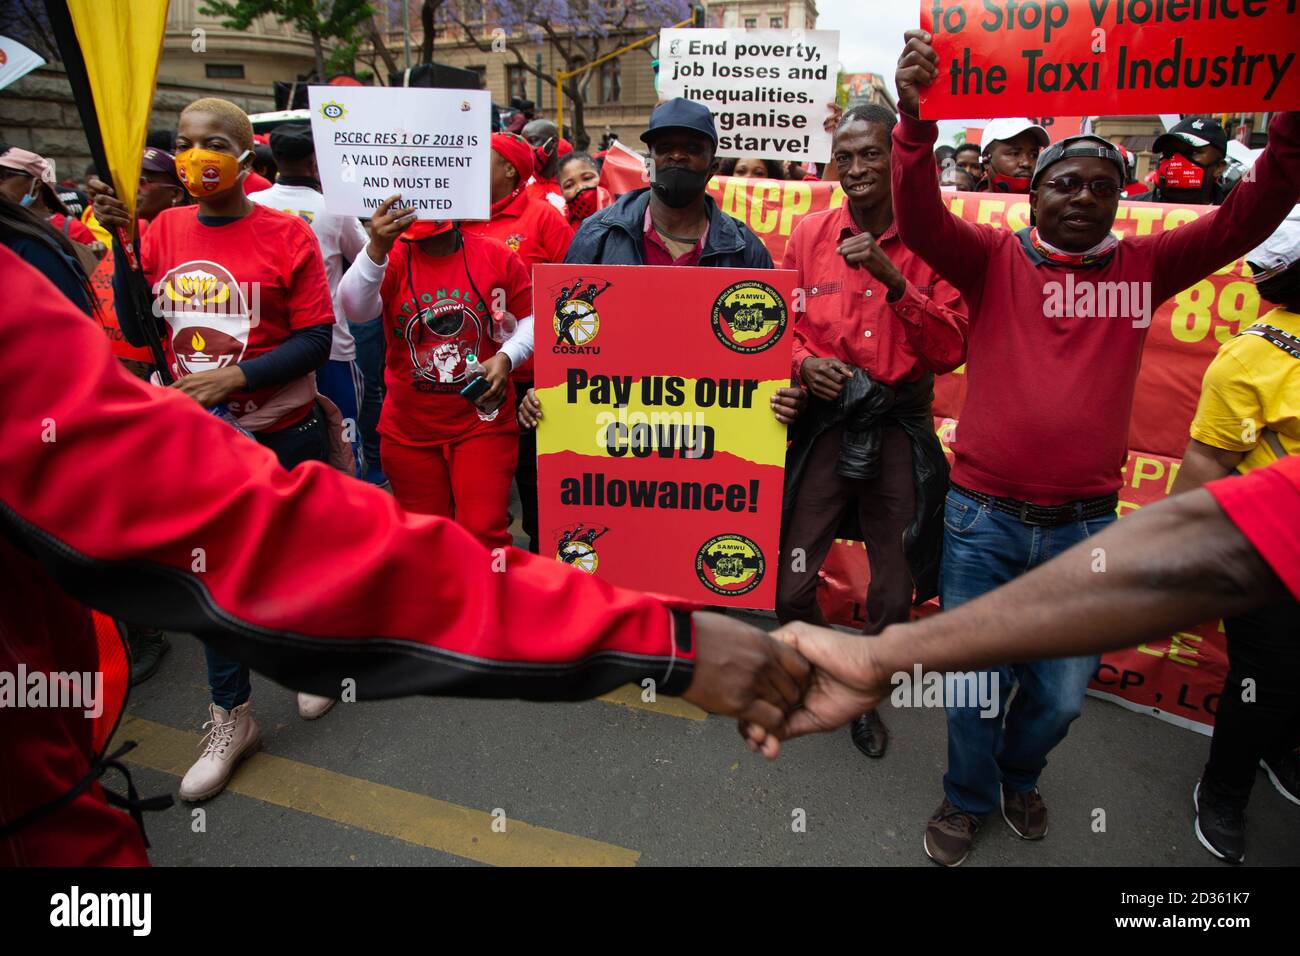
{"x": 577, "y": 547}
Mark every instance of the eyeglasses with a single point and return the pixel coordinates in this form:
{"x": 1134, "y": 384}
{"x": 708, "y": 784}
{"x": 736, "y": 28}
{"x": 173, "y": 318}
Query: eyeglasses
{"x": 1073, "y": 185}
{"x": 7, "y": 173}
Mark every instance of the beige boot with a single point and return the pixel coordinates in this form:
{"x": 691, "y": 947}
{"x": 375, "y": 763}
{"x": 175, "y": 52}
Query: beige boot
{"x": 311, "y": 707}
{"x": 231, "y": 737}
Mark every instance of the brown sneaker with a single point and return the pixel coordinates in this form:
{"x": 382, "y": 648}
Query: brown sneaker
{"x": 949, "y": 835}
{"x": 1025, "y": 813}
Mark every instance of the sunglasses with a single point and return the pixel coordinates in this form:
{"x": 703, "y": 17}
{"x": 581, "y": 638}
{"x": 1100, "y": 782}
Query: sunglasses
{"x": 1073, "y": 185}
{"x": 7, "y": 173}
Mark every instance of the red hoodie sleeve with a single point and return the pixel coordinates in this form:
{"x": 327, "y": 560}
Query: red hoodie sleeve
{"x": 308, "y": 576}
{"x": 956, "y": 249}
{"x": 1251, "y": 213}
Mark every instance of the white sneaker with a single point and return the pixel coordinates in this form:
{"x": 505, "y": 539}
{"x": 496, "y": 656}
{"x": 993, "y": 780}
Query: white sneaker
{"x": 231, "y": 737}
{"x": 310, "y": 707}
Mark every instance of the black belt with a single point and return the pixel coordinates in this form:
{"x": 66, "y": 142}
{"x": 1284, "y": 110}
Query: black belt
{"x": 1045, "y": 516}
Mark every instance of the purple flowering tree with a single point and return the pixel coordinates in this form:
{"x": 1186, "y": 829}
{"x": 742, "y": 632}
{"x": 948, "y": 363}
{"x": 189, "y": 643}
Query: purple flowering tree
{"x": 579, "y": 31}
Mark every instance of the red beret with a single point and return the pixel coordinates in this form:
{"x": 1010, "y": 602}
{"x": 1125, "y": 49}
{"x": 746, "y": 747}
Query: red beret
{"x": 565, "y": 147}
{"x": 515, "y": 151}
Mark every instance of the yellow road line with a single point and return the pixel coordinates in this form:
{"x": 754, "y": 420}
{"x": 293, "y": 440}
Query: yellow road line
{"x": 413, "y": 817}
{"x": 629, "y": 695}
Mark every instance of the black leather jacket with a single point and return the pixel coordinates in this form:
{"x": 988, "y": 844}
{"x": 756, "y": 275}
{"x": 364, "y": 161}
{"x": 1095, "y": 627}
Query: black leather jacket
{"x": 863, "y": 407}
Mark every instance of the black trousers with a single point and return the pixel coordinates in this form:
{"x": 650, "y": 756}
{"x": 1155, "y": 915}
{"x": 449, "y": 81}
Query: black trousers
{"x": 1263, "y": 648}
{"x": 885, "y": 506}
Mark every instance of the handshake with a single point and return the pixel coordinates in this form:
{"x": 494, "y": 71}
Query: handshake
{"x": 800, "y": 679}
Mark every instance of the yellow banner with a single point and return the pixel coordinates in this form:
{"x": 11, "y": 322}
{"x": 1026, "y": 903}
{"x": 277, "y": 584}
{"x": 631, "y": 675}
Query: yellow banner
{"x": 121, "y": 42}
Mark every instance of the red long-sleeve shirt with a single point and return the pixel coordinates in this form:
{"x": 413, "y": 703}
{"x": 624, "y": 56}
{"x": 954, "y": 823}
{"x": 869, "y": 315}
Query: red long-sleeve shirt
{"x": 134, "y": 500}
{"x": 847, "y": 314}
{"x": 1048, "y": 400}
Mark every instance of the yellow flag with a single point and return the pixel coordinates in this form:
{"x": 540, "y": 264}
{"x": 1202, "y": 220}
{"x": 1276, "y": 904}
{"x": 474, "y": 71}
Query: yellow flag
{"x": 121, "y": 42}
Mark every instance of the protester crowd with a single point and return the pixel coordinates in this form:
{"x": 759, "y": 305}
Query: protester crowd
{"x": 367, "y": 334}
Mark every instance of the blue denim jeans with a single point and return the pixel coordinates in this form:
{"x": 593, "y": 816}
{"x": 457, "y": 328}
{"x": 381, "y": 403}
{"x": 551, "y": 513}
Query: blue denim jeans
{"x": 983, "y": 549}
{"x": 342, "y": 384}
{"x": 228, "y": 679}
{"x": 370, "y": 359}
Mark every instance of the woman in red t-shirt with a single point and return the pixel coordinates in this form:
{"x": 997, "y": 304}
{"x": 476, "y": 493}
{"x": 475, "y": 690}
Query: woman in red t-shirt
{"x": 247, "y": 319}
{"x": 447, "y": 299}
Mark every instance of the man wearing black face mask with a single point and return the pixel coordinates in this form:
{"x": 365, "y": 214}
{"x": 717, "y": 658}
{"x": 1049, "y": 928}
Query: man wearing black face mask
{"x": 1192, "y": 161}
{"x": 673, "y": 222}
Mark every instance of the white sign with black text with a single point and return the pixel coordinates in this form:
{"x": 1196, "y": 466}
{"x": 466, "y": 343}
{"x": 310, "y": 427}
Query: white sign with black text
{"x": 430, "y": 145}
{"x": 768, "y": 89}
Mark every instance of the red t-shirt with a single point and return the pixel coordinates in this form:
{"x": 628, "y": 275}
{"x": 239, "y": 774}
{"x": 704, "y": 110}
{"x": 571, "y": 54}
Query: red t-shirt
{"x": 1265, "y": 507}
{"x": 76, "y": 230}
{"x": 428, "y": 344}
{"x": 232, "y": 292}
{"x": 534, "y": 229}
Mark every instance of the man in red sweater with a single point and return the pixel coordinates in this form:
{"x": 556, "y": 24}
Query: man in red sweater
{"x": 1044, "y": 430}
{"x": 307, "y": 575}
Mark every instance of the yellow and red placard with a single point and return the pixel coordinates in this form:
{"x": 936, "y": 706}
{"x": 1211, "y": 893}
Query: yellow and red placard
{"x": 1111, "y": 57}
{"x": 659, "y": 462}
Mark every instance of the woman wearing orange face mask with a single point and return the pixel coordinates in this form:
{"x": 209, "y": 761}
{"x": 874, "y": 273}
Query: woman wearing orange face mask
{"x": 449, "y": 300}
{"x": 247, "y": 319}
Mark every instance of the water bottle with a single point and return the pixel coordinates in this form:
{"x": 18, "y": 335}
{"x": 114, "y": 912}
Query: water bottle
{"x": 474, "y": 369}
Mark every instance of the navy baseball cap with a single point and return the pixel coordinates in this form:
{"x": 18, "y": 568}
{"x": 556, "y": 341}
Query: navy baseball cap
{"x": 681, "y": 113}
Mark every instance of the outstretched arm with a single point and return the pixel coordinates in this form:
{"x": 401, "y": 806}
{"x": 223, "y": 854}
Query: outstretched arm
{"x": 307, "y": 575}
{"x": 1172, "y": 565}
{"x": 953, "y": 247}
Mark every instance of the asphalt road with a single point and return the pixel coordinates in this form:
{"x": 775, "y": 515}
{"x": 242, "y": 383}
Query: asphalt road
{"x": 453, "y": 782}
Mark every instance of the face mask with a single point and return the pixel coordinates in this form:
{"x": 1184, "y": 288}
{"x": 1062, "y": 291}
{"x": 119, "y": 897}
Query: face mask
{"x": 205, "y": 171}
{"x": 28, "y": 199}
{"x": 677, "y": 187}
{"x": 584, "y": 202}
{"x": 1008, "y": 184}
{"x": 1179, "y": 172}
{"x": 427, "y": 229}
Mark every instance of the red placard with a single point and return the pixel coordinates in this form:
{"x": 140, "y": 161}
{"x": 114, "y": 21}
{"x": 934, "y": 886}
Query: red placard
{"x": 1111, "y": 57}
{"x": 660, "y": 464}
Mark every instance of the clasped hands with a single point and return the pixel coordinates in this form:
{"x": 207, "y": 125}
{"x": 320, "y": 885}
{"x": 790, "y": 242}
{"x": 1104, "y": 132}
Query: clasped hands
{"x": 800, "y": 679}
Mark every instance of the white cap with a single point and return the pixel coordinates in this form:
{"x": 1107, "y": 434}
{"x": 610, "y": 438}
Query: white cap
{"x": 1279, "y": 251}
{"x": 1010, "y": 128}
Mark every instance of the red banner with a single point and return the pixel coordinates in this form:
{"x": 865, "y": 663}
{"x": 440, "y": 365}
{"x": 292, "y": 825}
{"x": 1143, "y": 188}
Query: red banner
{"x": 659, "y": 462}
{"x": 1111, "y": 57}
{"x": 1178, "y": 677}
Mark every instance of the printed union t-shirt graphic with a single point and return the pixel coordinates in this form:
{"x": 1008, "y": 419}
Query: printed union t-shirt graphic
{"x": 660, "y": 463}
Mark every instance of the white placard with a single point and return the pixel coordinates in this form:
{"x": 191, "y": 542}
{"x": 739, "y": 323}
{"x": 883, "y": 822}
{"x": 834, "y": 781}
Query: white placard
{"x": 768, "y": 89}
{"x": 429, "y": 145}
{"x": 16, "y": 61}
